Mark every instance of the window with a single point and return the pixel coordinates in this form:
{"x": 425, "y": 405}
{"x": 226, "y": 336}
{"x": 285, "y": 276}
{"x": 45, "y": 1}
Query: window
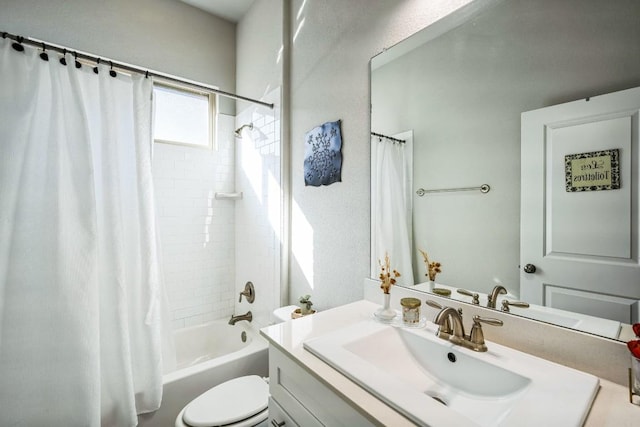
{"x": 183, "y": 115}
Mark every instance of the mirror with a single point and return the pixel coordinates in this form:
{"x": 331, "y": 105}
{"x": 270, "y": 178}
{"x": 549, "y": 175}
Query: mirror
{"x": 459, "y": 93}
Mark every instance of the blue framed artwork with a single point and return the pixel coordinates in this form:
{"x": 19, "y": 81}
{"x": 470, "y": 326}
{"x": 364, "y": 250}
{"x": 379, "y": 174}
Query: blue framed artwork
{"x": 323, "y": 155}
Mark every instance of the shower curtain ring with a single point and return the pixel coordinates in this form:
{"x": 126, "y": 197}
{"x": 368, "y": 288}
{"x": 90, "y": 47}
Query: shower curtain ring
{"x": 111, "y": 72}
{"x": 75, "y": 56}
{"x": 44, "y": 56}
{"x": 18, "y": 44}
{"x": 63, "y": 60}
{"x": 95, "y": 69}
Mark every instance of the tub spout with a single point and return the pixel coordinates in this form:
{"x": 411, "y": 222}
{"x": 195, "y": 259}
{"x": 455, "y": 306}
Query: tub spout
{"x": 248, "y": 316}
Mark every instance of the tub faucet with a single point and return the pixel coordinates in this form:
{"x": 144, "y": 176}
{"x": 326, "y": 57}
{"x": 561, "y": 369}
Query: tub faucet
{"x": 493, "y": 297}
{"x": 248, "y": 316}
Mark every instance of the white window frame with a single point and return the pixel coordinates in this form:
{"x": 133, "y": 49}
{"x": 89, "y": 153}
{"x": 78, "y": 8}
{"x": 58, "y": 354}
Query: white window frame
{"x": 212, "y": 114}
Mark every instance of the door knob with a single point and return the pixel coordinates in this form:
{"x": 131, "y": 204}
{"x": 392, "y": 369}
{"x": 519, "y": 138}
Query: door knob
{"x": 529, "y": 268}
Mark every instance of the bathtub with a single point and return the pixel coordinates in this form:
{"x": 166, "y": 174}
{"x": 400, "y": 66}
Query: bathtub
{"x": 207, "y": 355}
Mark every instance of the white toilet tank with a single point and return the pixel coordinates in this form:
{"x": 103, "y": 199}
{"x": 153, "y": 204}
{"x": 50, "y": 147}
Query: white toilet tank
{"x": 283, "y": 314}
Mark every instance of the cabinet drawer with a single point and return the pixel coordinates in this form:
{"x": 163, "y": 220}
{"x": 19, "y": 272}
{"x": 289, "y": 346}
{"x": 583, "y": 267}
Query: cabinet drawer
{"x": 278, "y": 417}
{"x": 306, "y": 399}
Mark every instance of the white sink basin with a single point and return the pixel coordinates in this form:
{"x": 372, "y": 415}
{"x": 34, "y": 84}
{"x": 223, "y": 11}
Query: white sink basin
{"x": 428, "y": 379}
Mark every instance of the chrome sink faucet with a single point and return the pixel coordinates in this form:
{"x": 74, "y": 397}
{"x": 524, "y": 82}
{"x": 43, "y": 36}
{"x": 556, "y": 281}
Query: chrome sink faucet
{"x": 492, "y": 299}
{"x": 247, "y": 316}
{"x": 455, "y": 333}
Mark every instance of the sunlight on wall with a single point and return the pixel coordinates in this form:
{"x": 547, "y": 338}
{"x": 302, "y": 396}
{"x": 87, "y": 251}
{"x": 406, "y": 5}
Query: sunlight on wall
{"x": 300, "y": 25}
{"x": 302, "y": 242}
{"x": 280, "y": 53}
{"x": 274, "y": 206}
{"x": 301, "y": 9}
{"x": 251, "y": 163}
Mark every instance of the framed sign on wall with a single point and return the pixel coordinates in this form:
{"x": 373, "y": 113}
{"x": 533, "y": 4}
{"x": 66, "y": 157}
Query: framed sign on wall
{"x": 594, "y": 171}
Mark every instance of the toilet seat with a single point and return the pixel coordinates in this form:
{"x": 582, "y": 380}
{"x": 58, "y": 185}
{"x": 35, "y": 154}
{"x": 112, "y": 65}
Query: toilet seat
{"x": 238, "y": 402}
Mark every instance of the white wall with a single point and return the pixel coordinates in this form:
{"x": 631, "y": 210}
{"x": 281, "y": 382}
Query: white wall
{"x": 333, "y": 42}
{"x": 163, "y": 35}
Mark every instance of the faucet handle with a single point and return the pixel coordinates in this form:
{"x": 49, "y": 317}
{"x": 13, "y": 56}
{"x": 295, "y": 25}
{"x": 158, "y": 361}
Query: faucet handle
{"x": 434, "y": 304}
{"x": 249, "y": 292}
{"x": 475, "y": 297}
{"x": 488, "y": 320}
{"x": 477, "y": 336}
{"x": 507, "y": 303}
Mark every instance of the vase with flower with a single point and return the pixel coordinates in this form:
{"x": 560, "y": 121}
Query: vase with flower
{"x": 433, "y": 268}
{"x": 388, "y": 278}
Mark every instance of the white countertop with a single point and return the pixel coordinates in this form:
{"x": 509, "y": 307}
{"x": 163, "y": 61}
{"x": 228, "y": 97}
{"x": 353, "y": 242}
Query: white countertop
{"x": 611, "y": 406}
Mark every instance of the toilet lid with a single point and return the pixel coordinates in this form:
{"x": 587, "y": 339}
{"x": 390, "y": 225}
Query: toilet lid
{"x": 228, "y": 402}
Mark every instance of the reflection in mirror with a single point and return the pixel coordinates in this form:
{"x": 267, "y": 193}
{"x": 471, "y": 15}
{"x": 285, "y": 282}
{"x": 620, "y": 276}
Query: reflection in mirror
{"x": 461, "y": 95}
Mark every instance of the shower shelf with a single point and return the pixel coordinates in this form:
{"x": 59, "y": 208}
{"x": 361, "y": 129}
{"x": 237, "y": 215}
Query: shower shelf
{"x": 228, "y": 196}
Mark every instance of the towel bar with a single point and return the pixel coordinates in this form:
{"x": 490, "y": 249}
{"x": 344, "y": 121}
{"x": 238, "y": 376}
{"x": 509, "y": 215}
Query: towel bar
{"x": 484, "y": 188}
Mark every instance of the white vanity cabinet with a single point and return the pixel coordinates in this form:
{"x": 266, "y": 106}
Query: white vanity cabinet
{"x": 278, "y": 417}
{"x": 300, "y": 399}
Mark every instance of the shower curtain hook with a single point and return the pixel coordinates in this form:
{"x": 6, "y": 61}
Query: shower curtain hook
{"x": 44, "y": 56}
{"x": 78, "y": 64}
{"x": 63, "y": 60}
{"x": 111, "y": 72}
{"x": 95, "y": 69}
{"x": 18, "y": 45}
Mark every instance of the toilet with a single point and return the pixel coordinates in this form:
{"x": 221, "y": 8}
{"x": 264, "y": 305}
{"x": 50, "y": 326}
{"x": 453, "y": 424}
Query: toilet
{"x": 239, "y": 402}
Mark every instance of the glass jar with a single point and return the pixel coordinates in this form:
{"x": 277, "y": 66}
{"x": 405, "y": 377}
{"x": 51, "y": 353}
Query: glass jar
{"x": 410, "y": 310}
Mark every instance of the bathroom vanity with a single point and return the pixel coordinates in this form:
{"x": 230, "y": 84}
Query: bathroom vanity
{"x": 307, "y": 391}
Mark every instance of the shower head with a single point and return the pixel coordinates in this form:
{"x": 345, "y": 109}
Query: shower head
{"x": 238, "y": 132}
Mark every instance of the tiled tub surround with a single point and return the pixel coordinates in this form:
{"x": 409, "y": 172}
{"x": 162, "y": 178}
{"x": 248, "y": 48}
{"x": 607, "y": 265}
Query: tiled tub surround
{"x": 258, "y": 215}
{"x": 197, "y": 232}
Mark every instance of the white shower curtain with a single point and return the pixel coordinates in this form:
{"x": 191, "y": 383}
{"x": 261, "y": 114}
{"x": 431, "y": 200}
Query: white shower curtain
{"x": 392, "y": 205}
{"x": 79, "y": 273}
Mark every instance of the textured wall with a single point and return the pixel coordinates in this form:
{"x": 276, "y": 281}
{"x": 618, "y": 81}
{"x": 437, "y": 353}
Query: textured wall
{"x": 333, "y": 43}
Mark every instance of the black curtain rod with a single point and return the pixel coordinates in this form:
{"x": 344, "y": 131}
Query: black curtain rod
{"x": 379, "y": 135}
{"x": 19, "y": 41}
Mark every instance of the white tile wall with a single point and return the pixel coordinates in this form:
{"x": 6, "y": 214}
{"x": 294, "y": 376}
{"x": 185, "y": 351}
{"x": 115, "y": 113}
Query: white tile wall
{"x": 197, "y": 232}
{"x": 258, "y": 215}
